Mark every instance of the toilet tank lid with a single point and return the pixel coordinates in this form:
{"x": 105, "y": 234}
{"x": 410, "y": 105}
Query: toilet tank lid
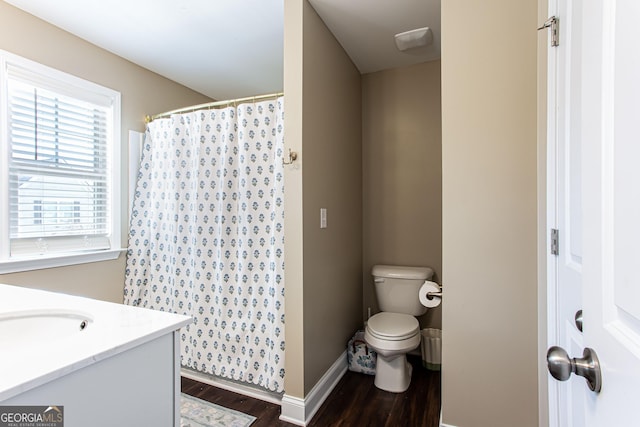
{"x": 401, "y": 272}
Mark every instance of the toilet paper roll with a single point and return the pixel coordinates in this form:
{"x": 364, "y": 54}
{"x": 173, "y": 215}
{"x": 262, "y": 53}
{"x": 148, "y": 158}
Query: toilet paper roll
{"x": 427, "y": 287}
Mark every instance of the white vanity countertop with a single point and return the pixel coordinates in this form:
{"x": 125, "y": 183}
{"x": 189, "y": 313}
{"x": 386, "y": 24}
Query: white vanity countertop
{"x": 38, "y": 348}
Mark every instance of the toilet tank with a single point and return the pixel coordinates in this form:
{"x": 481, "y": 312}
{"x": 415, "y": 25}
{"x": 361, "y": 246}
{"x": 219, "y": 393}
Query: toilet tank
{"x": 397, "y": 288}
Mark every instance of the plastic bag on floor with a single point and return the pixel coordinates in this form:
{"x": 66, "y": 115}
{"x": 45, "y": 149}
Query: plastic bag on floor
{"x": 361, "y": 358}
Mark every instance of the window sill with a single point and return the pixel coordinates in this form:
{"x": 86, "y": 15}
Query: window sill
{"x": 15, "y": 266}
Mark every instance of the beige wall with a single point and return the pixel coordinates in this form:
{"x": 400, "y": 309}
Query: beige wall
{"x": 331, "y": 179}
{"x": 143, "y": 92}
{"x": 489, "y": 375}
{"x": 402, "y": 169}
{"x": 324, "y": 288}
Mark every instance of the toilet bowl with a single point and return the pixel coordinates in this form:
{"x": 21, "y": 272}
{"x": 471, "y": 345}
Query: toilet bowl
{"x": 392, "y": 336}
{"x": 395, "y": 331}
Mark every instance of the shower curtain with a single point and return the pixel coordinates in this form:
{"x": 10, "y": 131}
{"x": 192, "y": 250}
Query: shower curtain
{"x": 206, "y": 237}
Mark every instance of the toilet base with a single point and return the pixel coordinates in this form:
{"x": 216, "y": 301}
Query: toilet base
{"x": 393, "y": 373}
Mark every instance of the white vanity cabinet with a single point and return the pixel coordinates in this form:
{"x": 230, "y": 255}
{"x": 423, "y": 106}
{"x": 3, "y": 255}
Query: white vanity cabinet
{"x": 124, "y": 371}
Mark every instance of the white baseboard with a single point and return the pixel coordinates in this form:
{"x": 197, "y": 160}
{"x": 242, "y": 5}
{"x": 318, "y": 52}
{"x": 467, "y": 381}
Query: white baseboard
{"x": 292, "y": 410}
{"x": 300, "y": 411}
{"x": 443, "y": 424}
{"x": 231, "y": 386}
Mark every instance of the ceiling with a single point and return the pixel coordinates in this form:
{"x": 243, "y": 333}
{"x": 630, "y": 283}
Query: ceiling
{"x": 365, "y": 29}
{"x": 234, "y": 48}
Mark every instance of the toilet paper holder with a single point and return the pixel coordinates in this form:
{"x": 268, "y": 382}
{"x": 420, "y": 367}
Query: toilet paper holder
{"x": 432, "y": 295}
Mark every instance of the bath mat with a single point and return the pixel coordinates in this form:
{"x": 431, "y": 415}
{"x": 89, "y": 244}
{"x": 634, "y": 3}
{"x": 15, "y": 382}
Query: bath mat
{"x": 195, "y": 412}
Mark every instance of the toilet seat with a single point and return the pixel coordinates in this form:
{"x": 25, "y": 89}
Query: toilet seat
{"x": 393, "y": 326}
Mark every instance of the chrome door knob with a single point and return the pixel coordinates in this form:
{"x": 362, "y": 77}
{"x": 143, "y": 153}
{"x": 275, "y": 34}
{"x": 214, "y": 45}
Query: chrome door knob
{"x": 588, "y": 366}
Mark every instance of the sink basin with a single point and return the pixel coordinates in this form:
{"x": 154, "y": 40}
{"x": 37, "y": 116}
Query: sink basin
{"x": 38, "y": 327}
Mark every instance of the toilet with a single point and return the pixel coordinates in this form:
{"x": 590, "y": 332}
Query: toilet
{"x": 395, "y": 331}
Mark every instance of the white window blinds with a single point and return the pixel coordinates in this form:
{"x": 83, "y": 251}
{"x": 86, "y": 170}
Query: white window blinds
{"x": 59, "y": 162}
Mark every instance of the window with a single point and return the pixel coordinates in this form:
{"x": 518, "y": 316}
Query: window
{"x": 60, "y": 167}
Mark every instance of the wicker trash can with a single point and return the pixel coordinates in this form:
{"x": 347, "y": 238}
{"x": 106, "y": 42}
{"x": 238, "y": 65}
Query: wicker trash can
{"x": 431, "y": 346}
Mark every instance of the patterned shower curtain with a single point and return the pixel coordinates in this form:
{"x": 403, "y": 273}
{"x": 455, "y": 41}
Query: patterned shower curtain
{"x": 206, "y": 237}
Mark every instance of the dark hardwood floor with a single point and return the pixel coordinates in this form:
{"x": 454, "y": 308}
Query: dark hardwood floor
{"x": 354, "y": 402}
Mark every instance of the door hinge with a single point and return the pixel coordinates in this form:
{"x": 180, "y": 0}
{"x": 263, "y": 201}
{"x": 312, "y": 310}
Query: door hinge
{"x": 555, "y": 242}
{"x": 553, "y": 23}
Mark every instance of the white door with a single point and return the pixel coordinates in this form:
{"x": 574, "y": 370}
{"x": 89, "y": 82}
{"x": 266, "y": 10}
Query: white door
{"x": 608, "y": 106}
{"x": 611, "y": 206}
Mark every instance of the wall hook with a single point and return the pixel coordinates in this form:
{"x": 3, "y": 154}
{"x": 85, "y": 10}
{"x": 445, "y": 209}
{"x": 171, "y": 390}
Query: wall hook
{"x": 293, "y": 156}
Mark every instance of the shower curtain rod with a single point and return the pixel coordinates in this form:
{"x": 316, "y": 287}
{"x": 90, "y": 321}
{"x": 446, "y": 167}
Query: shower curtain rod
{"x": 149, "y": 119}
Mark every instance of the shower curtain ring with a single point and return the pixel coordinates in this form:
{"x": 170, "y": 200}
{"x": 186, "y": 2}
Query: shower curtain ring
{"x": 293, "y": 156}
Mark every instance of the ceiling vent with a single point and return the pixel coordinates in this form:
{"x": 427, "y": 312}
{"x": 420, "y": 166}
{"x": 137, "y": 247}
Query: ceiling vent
{"x": 413, "y": 39}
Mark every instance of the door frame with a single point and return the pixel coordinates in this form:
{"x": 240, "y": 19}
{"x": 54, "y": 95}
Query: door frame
{"x": 547, "y": 216}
